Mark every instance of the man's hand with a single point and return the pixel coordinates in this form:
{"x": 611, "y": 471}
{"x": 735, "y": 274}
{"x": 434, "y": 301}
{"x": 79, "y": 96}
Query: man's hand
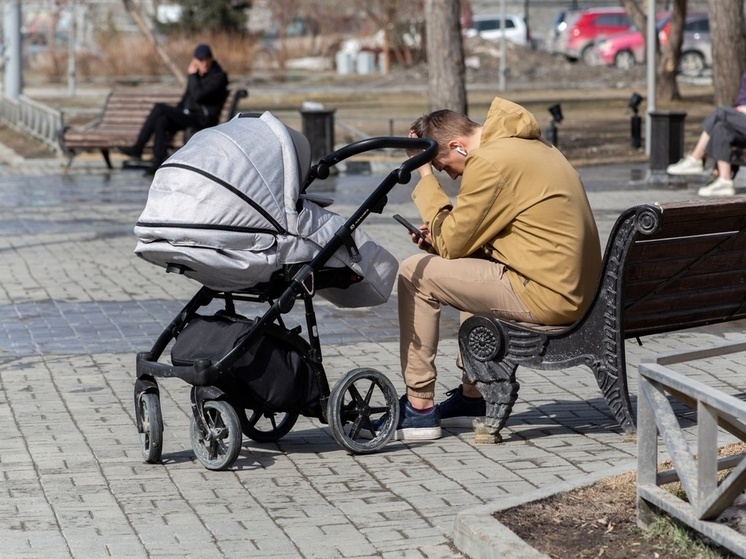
{"x": 425, "y": 244}
{"x": 194, "y": 66}
{"x": 427, "y": 168}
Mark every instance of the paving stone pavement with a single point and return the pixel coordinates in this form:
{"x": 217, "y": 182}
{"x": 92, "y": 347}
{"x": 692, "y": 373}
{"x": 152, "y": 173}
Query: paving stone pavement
{"x": 75, "y": 307}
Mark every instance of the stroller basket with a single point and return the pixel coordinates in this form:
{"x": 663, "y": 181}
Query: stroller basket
{"x": 225, "y": 404}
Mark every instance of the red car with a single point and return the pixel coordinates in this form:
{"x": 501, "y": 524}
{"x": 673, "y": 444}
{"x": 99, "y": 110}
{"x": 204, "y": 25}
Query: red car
{"x": 577, "y": 39}
{"x": 624, "y": 50}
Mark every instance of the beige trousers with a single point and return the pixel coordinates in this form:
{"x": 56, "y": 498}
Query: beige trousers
{"x": 426, "y": 282}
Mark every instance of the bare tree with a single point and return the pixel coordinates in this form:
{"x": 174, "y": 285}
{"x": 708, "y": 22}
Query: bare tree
{"x": 445, "y": 55}
{"x": 666, "y": 86}
{"x": 728, "y": 48}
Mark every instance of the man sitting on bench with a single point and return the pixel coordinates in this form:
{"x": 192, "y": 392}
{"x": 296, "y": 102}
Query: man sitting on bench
{"x": 720, "y": 130}
{"x": 200, "y": 106}
{"x": 519, "y": 242}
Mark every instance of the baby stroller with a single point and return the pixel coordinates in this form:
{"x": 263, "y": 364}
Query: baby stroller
{"x": 231, "y": 210}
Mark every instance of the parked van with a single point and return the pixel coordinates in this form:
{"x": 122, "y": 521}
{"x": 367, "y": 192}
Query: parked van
{"x": 487, "y": 26}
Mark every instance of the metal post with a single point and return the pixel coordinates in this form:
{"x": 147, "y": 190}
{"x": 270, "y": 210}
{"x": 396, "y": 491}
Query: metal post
{"x": 12, "y": 53}
{"x": 651, "y": 67}
{"x": 71, "y": 44}
{"x": 503, "y": 47}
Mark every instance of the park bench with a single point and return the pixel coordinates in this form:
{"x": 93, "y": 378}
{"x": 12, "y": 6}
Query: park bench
{"x": 667, "y": 267}
{"x": 121, "y": 118}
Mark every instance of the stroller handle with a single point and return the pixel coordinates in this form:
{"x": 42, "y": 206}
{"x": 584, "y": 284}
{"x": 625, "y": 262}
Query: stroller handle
{"x": 429, "y": 151}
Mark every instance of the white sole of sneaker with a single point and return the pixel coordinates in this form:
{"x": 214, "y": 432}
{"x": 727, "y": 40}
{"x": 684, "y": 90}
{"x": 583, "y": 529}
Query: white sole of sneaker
{"x": 717, "y": 193}
{"x": 418, "y": 434}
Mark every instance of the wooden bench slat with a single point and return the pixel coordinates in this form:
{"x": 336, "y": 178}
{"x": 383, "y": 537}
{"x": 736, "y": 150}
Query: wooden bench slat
{"x": 634, "y": 291}
{"x": 680, "y": 320}
{"x": 691, "y": 265}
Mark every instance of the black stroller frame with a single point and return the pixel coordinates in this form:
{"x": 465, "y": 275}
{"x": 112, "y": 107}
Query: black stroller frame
{"x": 350, "y": 408}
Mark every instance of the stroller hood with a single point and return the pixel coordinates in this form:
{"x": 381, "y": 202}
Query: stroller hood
{"x": 226, "y": 208}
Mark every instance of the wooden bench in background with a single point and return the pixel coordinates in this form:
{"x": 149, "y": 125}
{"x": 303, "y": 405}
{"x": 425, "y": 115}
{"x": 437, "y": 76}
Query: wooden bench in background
{"x": 666, "y": 267}
{"x": 123, "y": 114}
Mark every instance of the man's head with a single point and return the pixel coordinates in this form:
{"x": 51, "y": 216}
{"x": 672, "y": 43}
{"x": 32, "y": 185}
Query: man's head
{"x": 203, "y": 54}
{"x": 202, "y": 51}
{"x": 455, "y": 134}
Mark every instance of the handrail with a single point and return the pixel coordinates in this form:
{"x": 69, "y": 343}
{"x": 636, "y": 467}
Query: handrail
{"x": 696, "y": 468}
{"x": 32, "y": 118}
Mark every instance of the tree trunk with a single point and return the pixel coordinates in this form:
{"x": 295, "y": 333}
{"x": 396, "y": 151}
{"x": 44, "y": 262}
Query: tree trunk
{"x": 728, "y": 48}
{"x": 667, "y": 88}
{"x": 445, "y": 56}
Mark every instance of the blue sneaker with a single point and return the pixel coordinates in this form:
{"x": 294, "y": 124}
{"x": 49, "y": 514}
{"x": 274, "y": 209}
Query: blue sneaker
{"x": 414, "y": 425}
{"x": 460, "y": 411}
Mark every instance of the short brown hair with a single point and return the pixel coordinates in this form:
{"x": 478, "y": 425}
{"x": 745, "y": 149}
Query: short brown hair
{"x": 443, "y": 126}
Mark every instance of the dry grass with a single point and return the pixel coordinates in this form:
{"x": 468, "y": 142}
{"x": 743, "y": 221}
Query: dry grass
{"x": 124, "y": 56}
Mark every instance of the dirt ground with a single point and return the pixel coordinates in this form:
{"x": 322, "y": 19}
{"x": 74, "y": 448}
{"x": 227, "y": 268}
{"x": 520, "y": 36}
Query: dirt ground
{"x": 600, "y": 521}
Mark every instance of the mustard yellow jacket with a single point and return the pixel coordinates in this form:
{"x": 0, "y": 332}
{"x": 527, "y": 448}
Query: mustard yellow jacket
{"x": 521, "y": 203}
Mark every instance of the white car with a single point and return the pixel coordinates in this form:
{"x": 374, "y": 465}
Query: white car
{"x": 487, "y": 26}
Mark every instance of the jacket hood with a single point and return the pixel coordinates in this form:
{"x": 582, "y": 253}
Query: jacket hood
{"x": 505, "y": 119}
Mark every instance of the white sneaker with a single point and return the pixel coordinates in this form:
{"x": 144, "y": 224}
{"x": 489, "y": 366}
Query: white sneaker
{"x": 718, "y": 187}
{"x": 686, "y": 166}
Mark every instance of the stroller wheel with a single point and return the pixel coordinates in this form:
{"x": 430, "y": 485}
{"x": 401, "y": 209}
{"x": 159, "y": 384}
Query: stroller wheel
{"x": 217, "y": 448}
{"x": 361, "y": 398}
{"x": 151, "y": 436}
{"x": 266, "y": 427}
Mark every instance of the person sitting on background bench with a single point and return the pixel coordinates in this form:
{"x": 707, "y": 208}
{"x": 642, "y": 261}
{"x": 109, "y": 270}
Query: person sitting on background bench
{"x": 719, "y": 130}
{"x": 200, "y": 106}
{"x": 519, "y": 242}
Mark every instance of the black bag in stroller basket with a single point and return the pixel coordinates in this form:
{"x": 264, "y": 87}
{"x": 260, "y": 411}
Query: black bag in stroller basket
{"x": 273, "y": 375}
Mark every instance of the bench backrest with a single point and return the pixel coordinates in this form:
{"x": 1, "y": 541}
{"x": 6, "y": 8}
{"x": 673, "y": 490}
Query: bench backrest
{"x": 129, "y": 108}
{"x": 685, "y": 266}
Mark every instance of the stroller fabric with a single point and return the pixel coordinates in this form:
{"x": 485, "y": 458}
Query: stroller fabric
{"x": 227, "y": 207}
{"x": 273, "y": 374}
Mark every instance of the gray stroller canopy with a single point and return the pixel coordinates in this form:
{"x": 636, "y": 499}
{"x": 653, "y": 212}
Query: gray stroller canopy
{"x": 226, "y": 208}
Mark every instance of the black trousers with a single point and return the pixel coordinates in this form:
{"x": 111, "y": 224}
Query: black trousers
{"x": 162, "y": 123}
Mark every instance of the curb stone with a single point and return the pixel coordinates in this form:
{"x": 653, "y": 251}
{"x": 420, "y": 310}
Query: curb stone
{"x": 479, "y": 535}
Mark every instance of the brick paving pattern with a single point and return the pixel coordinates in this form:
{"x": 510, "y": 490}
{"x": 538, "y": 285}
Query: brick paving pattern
{"x": 75, "y": 307}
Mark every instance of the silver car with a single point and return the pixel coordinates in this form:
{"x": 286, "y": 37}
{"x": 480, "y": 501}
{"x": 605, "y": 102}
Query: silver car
{"x": 696, "y": 48}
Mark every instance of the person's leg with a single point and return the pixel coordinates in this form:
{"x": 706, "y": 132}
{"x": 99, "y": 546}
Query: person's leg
{"x": 693, "y": 163}
{"x": 700, "y": 147}
{"x": 425, "y": 283}
{"x": 720, "y": 144}
{"x": 146, "y": 131}
{"x": 721, "y": 139}
{"x": 168, "y": 121}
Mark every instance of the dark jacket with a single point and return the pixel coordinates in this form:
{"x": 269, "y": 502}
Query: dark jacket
{"x": 206, "y": 95}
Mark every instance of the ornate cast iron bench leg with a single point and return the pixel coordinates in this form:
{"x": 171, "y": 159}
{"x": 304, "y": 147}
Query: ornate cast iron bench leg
{"x": 614, "y": 389}
{"x": 494, "y": 377}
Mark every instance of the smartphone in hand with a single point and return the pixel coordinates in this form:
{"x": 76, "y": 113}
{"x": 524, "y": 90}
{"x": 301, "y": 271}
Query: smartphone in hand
{"x": 411, "y": 228}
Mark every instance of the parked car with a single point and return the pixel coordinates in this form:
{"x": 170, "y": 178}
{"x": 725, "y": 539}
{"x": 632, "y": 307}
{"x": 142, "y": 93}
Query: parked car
{"x": 487, "y": 26}
{"x": 625, "y": 50}
{"x": 562, "y": 20}
{"x": 576, "y": 41}
{"x": 696, "y": 48}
